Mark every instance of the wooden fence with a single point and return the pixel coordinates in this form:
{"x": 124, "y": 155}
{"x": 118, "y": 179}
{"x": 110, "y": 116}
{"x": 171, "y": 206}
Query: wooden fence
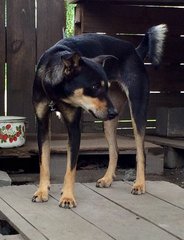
{"x": 129, "y": 20}
{"x": 27, "y": 28}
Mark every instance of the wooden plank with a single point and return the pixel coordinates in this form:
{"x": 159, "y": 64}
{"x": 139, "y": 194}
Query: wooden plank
{"x": 94, "y": 208}
{"x": 163, "y": 214}
{"x": 129, "y": 2}
{"x": 2, "y": 54}
{"x": 169, "y": 142}
{"x": 166, "y": 78}
{"x": 50, "y": 220}
{"x": 21, "y": 58}
{"x": 163, "y": 191}
{"x": 77, "y": 20}
{"x": 50, "y": 24}
{"x": 18, "y": 222}
{"x": 164, "y": 100}
{"x": 96, "y": 16}
{"x": 169, "y": 56}
{"x": 90, "y": 142}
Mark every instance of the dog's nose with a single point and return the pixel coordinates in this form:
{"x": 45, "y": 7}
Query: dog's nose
{"x": 112, "y": 113}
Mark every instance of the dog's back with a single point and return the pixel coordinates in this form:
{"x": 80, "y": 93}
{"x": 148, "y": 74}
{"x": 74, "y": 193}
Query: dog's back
{"x": 91, "y": 45}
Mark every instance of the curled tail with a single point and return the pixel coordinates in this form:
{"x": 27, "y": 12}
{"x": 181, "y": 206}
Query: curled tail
{"x": 152, "y": 44}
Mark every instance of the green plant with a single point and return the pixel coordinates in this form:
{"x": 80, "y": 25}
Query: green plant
{"x": 69, "y": 19}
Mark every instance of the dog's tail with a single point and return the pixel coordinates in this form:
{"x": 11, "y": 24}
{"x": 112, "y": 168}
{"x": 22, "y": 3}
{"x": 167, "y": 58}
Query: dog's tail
{"x": 152, "y": 44}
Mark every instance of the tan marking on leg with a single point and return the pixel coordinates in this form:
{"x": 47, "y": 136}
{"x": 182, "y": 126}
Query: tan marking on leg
{"x": 41, "y": 109}
{"x": 110, "y": 134}
{"x": 67, "y": 199}
{"x": 118, "y": 99}
{"x": 139, "y": 186}
{"x": 41, "y": 195}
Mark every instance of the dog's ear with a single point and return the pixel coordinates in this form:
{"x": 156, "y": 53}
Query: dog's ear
{"x": 110, "y": 65}
{"x": 103, "y": 59}
{"x": 71, "y": 62}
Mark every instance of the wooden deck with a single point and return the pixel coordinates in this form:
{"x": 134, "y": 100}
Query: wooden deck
{"x": 89, "y": 143}
{"x": 168, "y": 142}
{"x": 102, "y": 214}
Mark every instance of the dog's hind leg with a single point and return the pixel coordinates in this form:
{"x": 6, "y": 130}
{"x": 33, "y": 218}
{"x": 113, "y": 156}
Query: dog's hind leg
{"x": 137, "y": 89}
{"x": 118, "y": 99}
{"x": 139, "y": 185}
{"x": 43, "y": 132}
{"x": 72, "y": 119}
{"x": 138, "y": 108}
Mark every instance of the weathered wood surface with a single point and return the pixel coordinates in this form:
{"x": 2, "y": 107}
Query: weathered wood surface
{"x": 2, "y": 54}
{"x": 50, "y": 24}
{"x": 30, "y": 29}
{"x": 169, "y": 142}
{"x": 21, "y": 54}
{"x": 129, "y": 2}
{"x": 129, "y": 20}
{"x": 89, "y": 143}
{"x": 95, "y": 17}
{"x": 101, "y": 213}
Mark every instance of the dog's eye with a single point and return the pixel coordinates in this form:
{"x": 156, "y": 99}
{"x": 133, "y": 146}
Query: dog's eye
{"x": 96, "y": 86}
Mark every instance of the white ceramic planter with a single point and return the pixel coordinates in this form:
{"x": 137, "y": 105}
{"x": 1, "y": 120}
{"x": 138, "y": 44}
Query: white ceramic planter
{"x": 12, "y": 131}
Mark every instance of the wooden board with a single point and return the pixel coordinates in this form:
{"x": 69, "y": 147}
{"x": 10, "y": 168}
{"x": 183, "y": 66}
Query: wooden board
{"x": 128, "y": 19}
{"x": 51, "y": 221}
{"x": 2, "y": 54}
{"x": 166, "y": 216}
{"x": 147, "y": 2}
{"x": 93, "y": 17}
{"x": 169, "y": 142}
{"x": 167, "y": 78}
{"x": 18, "y": 222}
{"x": 50, "y": 25}
{"x": 90, "y": 143}
{"x": 102, "y": 214}
{"x": 21, "y": 58}
{"x": 169, "y": 56}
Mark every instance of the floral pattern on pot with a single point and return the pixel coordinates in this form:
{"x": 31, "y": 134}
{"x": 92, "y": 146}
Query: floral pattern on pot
{"x": 10, "y": 134}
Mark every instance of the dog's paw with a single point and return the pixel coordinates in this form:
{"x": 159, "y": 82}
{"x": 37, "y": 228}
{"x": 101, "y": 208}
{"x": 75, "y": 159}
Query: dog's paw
{"x": 104, "y": 182}
{"x": 67, "y": 202}
{"x": 138, "y": 188}
{"x": 40, "y": 196}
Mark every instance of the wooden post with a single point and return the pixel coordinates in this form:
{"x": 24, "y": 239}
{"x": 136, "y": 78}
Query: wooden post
{"x": 2, "y": 55}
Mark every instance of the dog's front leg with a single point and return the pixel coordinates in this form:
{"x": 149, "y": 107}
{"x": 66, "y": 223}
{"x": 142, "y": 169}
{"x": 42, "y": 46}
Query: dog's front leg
{"x": 72, "y": 120}
{"x": 43, "y": 135}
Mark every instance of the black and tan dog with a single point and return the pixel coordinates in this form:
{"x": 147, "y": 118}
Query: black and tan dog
{"x": 97, "y": 73}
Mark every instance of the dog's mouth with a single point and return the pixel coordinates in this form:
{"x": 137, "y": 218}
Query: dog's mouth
{"x": 100, "y": 116}
{"x": 92, "y": 113}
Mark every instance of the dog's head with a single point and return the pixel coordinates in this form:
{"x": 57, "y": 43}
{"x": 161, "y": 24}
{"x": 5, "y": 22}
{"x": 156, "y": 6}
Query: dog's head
{"x": 85, "y": 84}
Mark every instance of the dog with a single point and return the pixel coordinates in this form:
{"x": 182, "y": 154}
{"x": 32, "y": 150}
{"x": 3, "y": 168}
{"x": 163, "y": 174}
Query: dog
{"x": 97, "y": 73}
